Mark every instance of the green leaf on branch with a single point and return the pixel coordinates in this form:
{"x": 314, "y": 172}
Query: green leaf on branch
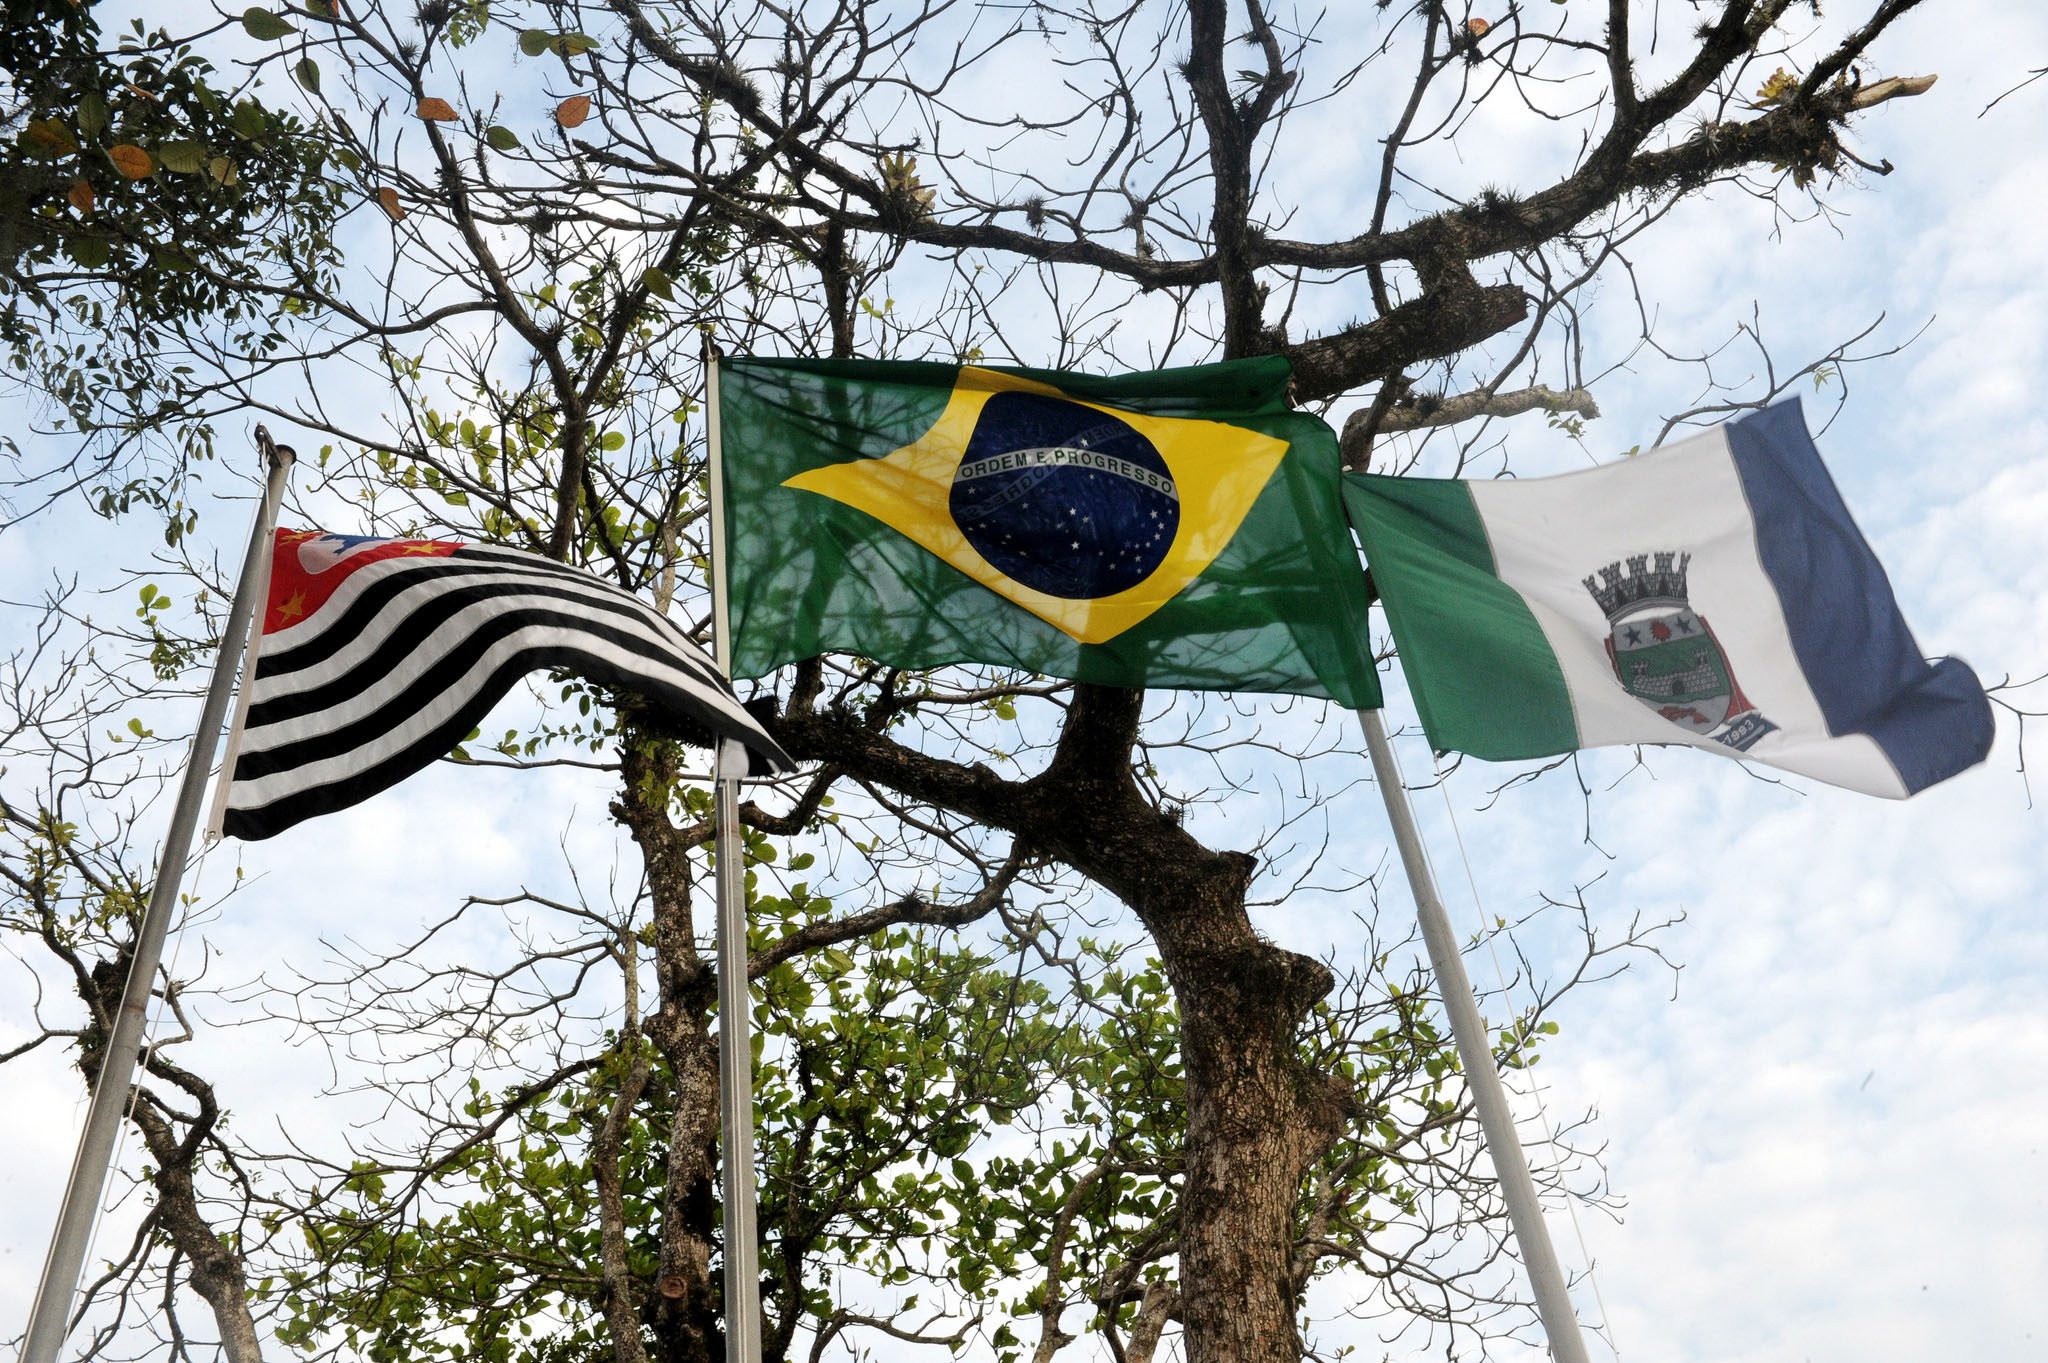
{"x": 537, "y": 42}
{"x": 93, "y": 119}
{"x": 500, "y": 137}
{"x": 184, "y": 157}
{"x": 659, "y": 284}
{"x": 264, "y": 26}
{"x": 307, "y": 72}
{"x": 91, "y": 253}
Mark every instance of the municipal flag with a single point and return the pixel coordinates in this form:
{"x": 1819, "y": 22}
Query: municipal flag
{"x": 1715, "y": 593}
{"x": 376, "y": 656}
{"x": 1180, "y": 529}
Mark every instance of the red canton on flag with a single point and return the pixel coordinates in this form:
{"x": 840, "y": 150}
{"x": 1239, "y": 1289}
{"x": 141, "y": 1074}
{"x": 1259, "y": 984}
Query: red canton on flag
{"x": 376, "y": 656}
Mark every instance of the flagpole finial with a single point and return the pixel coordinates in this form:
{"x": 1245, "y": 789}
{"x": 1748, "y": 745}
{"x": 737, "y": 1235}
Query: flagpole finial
{"x": 274, "y": 454}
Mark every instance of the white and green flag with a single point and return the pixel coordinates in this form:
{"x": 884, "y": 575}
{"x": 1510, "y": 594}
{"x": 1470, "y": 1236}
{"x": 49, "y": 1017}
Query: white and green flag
{"x": 1715, "y": 593}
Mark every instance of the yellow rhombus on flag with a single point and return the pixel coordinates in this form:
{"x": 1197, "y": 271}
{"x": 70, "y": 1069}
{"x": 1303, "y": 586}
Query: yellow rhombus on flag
{"x": 1209, "y": 465}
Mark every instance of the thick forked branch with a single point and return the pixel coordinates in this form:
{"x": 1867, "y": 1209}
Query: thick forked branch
{"x": 1454, "y": 312}
{"x": 1417, "y": 415}
{"x": 218, "y": 1272}
{"x": 1231, "y": 128}
{"x": 1476, "y": 232}
{"x": 1449, "y": 320}
{"x": 1444, "y": 322}
{"x": 1616, "y": 167}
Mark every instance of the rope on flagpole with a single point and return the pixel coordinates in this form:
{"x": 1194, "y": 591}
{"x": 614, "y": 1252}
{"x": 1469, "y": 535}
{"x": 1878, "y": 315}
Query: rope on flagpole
{"x": 1475, "y": 1052}
{"x": 1605, "y": 1330}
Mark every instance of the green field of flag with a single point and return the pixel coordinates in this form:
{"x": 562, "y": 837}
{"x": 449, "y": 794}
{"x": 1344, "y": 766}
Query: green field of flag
{"x": 1179, "y": 529}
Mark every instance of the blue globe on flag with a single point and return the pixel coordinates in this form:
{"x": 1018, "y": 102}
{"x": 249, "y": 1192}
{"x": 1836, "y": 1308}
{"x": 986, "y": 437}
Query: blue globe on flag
{"x": 1064, "y": 498}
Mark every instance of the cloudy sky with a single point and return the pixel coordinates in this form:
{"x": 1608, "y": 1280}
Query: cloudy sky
{"x": 1831, "y": 1139}
{"x": 1828, "y": 1127}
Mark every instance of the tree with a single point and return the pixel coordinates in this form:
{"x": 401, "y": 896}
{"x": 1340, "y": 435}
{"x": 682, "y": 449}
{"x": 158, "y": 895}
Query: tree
{"x": 139, "y": 193}
{"x": 530, "y": 268}
{"x": 498, "y": 1224}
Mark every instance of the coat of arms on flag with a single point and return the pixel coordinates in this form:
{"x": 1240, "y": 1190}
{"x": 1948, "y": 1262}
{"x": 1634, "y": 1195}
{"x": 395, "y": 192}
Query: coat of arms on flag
{"x": 1666, "y": 655}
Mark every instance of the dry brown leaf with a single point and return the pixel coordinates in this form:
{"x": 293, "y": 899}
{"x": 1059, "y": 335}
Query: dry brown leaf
{"x": 132, "y": 161}
{"x": 571, "y": 112}
{"x": 50, "y": 135}
{"x": 437, "y": 110}
{"x": 1477, "y": 27}
{"x": 388, "y": 199}
{"x": 81, "y": 196}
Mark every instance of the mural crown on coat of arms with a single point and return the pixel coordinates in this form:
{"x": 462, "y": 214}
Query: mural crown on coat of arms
{"x": 1620, "y": 593}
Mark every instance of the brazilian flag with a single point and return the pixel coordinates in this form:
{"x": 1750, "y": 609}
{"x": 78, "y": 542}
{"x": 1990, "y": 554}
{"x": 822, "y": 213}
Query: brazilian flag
{"x": 1178, "y": 529}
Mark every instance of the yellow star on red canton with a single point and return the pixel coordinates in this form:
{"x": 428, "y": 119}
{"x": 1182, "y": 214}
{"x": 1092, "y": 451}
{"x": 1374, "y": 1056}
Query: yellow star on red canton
{"x": 291, "y": 608}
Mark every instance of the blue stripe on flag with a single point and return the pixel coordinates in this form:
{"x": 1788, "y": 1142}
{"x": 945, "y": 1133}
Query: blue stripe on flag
{"x": 1858, "y": 655}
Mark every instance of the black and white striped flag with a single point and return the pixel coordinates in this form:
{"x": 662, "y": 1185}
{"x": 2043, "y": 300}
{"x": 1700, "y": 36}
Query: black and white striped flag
{"x": 376, "y": 656}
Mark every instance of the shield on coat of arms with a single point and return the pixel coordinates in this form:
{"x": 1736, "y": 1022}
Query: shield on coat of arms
{"x": 1666, "y": 655}
{"x": 1672, "y": 663}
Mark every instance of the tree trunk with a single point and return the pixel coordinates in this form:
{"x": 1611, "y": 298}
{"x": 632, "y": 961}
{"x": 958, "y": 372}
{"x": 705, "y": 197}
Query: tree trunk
{"x": 684, "y": 1309}
{"x": 1256, "y": 1119}
{"x": 620, "y": 1301}
{"x": 1257, "y": 1116}
{"x": 218, "y": 1274}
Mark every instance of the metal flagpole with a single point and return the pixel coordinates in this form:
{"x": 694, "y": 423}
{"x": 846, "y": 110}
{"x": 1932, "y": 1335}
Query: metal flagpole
{"x": 736, "y": 1073}
{"x": 735, "y": 1007}
{"x": 1518, "y": 1190}
{"x": 50, "y": 1318}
